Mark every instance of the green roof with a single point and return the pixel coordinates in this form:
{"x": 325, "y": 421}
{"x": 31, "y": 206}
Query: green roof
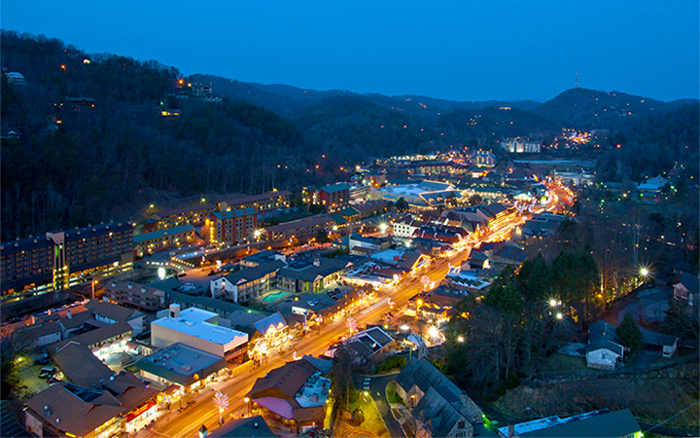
{"x": 339, "y": 187}
{"x": 338, "y": 218}
{"x": 349, "y": 212}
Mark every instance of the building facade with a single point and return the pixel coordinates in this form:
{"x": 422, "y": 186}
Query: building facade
{"x": 232, "y": 226}
{"x": 62, "y": 255}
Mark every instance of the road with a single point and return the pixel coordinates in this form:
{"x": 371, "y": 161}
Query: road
{"x": 188, "y": 422}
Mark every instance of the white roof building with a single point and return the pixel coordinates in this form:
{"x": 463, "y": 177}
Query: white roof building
{"x": 199, "y": 329}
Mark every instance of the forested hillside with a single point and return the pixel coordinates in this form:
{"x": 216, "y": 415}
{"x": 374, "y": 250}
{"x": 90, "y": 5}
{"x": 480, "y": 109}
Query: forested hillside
{"x": 98, "y": 137}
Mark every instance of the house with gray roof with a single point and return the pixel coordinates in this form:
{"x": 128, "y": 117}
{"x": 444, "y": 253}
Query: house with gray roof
{"x": 439, "y": 407}
{"x": 604, "y": 349}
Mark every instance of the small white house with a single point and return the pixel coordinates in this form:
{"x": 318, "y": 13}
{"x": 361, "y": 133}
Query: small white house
{"x": 604, "y": 350}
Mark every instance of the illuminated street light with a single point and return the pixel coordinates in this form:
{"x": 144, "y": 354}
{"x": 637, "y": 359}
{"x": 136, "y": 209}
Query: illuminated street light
{"x": 383, "y": 227}
{"x": 404, "y": 328}
{"x": 460, "y": 339}
{"x": 644, "y": 272}
{"x": 560, "y": 315}
{"x": 433, "y": 332}
{"x": 553, "y": 303}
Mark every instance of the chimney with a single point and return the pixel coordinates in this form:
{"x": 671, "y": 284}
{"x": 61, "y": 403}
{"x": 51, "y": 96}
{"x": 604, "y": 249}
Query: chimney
{"x": 32, "y": 319}
{"x": 511, "y": 430}
{"x": 69, "y": 314}
{"x": 317, "y": 260}
{"x": 174, "y": 310}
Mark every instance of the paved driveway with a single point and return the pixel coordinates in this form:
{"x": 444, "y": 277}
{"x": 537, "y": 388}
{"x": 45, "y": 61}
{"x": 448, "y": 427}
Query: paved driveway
{"x": 377, "y": 389}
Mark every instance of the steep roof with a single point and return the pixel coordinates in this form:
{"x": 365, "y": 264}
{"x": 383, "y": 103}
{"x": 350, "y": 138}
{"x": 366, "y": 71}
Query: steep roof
{"x": 602, "y": 334}
{"x": 243, "y": 428}
{"x": 283, "y": 382}
{"x": 249, "y": 274}
{"x": 275, "y": 320}
{"x": 112, "y": 311}
{"x": 690, "y": 282}
{"x": 80, "y": 366}
{"x": 422, "y": 373}
{"x": 77, "y": 410}
{"x": 436, "y": 414}
{"x": 98, "y": 335}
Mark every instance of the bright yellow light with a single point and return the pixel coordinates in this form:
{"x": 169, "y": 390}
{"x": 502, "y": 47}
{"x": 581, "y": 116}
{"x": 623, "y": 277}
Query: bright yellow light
{"x": 247, "y": 399}
{"x": 559, "y": 315}
{"x": 460, "y": 339}
{"x": 433, "y": 332}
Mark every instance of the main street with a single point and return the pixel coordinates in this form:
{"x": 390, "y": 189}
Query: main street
{"x": 188, "y": 422}
{"x": 203, "y": 411}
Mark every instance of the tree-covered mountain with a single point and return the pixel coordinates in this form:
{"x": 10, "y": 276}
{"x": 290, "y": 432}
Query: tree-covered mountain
{"x": 90, "y": 138}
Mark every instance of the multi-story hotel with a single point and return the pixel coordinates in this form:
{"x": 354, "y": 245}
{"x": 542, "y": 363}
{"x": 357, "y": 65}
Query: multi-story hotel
{"x": 232, "y": 226}
{"x": 60, "y": 255}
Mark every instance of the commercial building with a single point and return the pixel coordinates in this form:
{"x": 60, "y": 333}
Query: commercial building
{"x": 419, "y": 195}
{"x": 122, "y": 403}
{"x": 199, "y": 329}
{"x": 137, "y": 295}
{"x": 310, "y": 276}
{"x": 334, "y": 197}
{"x": 293, "y": 397}
{"x": 61, "y": 255}
{"x": 521, "y": 146}
{"x": 147, "y": 243}
{"x": 301, "y": 229}
{"x": 232, "y": 226}
{"x": 181, "y": 365}
{"x": 244, "y": 285}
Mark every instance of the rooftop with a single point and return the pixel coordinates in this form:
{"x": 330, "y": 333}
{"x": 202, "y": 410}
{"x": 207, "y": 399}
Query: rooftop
{"x": 77, "y": 410}
{"x": 596, "y": 424}
{"x": 333, "y": 188}
{"x": 179, "y": 363}
{"x": 234, "y": 213}
{"x": 138, "y": 238}
{"x": 195, "y": 322}
{"x": 243, "y": 428}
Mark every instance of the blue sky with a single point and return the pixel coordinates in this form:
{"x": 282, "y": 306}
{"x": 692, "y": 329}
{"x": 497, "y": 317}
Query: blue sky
{"x": 462, "y": 50}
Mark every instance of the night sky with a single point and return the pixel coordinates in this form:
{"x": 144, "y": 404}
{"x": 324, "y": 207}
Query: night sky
{"x": 459, "y": 50}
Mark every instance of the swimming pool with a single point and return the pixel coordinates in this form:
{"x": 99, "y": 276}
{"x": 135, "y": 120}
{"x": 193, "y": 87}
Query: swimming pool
{"x": 274, "y": 296}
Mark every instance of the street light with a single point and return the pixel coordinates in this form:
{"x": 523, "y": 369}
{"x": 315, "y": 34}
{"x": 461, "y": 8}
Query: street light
{"x": 643, "y": 272}
{"x": 460, "y": 339}
{"x": 560, "y": 315}
{"x": 247, "y": 401}
{"x": 552, "y": 303}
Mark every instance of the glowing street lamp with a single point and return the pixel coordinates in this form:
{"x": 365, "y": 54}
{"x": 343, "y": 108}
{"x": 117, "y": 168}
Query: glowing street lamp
{"x": 552, "y": 303}
{"x": 383, "y": 227}
{"x": 560, "y": 316}
{"x": 433, "y": 332}
{"x": 644, "y": 272}
{"x": 460, "y": 339}
{"x": 247, "y": 401}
